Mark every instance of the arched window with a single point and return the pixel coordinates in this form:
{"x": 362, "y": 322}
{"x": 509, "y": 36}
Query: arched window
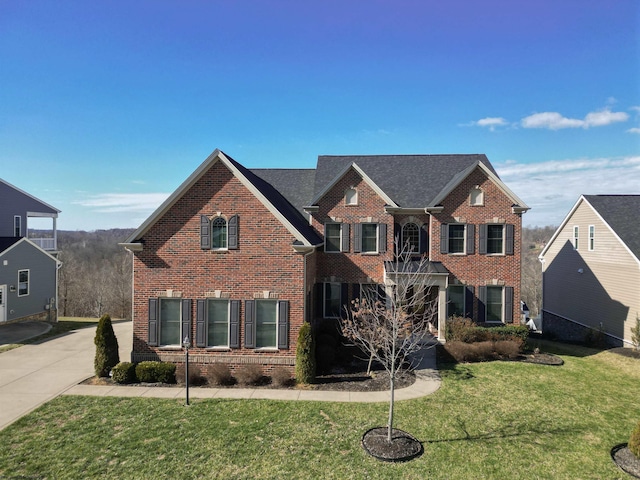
{"x": 476, "y": 196}
{"x": 410, "y": 238}
{"x": 219, "y": 233}
{"x": 351, "y": 196}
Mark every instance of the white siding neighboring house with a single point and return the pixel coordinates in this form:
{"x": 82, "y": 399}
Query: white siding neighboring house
{"x": 596, "y": 286}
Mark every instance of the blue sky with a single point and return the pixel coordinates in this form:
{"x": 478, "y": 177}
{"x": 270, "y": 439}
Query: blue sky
{"x": 106, "y": 107}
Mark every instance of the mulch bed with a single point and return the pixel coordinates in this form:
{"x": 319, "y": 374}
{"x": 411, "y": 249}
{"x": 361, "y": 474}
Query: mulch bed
{"x": 627, "y": 461}
{"x": 403, "y": 446}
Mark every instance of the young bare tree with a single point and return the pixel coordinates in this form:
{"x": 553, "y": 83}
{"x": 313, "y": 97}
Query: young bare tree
{"x": 393, "y": 327}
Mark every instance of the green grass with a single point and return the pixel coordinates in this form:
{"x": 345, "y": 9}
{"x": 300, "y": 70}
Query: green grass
{"x": 62, "y": 326}
{"x": 497, "y": 420}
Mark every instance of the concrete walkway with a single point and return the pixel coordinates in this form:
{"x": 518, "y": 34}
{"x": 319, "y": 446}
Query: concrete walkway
{"x": 34, "y": 374}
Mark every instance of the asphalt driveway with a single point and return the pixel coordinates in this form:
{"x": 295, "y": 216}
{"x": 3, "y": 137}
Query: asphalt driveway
{"x": 34, "y": 374}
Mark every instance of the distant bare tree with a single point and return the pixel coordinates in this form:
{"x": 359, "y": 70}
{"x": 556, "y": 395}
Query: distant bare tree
{"x": 533, "y": 241}
{"x": 394, "y": 328}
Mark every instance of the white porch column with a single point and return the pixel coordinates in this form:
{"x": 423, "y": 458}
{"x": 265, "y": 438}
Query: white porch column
{"x": 442, "y": 311}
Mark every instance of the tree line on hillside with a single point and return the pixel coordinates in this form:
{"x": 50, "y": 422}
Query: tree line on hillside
{"x": 96, "y": 274}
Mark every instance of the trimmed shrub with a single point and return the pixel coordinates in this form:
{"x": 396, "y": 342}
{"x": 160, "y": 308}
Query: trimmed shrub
{"x": 464, "y": 330}
{"x": 154, "y": 372}
{"x": 305, "y": 355}
{"x": 508, "y": 348}
{"x": 106, "y": 347}
{"x": 281, "y": 377}
{"x": 634, "y": 441}
{"x": 124, "y": 372}
{"x": 460, "y": 329}
{"x": 195, "y": 375}
{"x": 250, "y": 374}
{"x": 219, "y": 374}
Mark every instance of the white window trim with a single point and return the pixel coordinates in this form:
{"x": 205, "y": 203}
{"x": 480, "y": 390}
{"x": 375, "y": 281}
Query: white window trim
{"x": 592, "y": 238}
{"x": 576, "y": 236}
{"x": 464, "y": 239}
{"x": 377, "y": 250}
{"x": 220, "y": 347}
{"x": 169, "y": 346}
{"x": 504, "y": 240}
{"x": 18, "y": 224}
{"x": 502, "y": 306}
{"x": 273, "y": 348}
{"x": 339, "y": 250}
{"x": 28, "y": 282}
{"x": 324, "y": 298}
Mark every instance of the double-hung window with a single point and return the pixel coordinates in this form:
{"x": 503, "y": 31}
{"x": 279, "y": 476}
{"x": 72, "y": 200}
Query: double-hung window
{"x": 170, "y": 321}
{"x": 576, "y": 236}
{"x": 455, "y": 301}
{"x": 217, "y": 323}
{"x": 457, "y": 238}
{"x": 370, "y": 237}
{"x": 266, "y": 323}
{"x": 17, "y": 226}
{"x": 23, "y": 283}
{"x": 496, "y": 239}
{"x": 592, "y": 237}
{"x": 496, "y": 304}
{"x": 336, "y": 237}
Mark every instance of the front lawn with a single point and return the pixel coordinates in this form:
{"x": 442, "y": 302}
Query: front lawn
{"x": 496, "y": 420}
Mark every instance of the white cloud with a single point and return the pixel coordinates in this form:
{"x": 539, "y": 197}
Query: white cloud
{"x": 634, "y": 130}
{"x": 556, "y": 121}
{"x": 489, "y": 122}
{"x": 551, "y": 188}
{"x": 139, "y": 203}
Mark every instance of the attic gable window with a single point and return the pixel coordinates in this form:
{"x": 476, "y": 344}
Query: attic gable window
{"x": 219, "y": 234}
{"x": 592, "y": 237}
{"x": 576, "y": 236}
{"x": 351, "y": 196}
{"x": 476, "y": 196}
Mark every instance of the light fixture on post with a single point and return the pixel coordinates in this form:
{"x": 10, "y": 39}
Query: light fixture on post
{"x": 186, "y": 344}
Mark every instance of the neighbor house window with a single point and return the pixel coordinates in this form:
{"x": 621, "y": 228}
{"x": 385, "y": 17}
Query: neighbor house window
{"x": 476, "y": 196}
{"x": 219, "y": 233}
{"x": 170, "y": 321}
{"x": 217, "y": 323}
{"x": 332, "y": 300}
{"x": 410, "y": 238}
{"x": 351, "y": 196}
{"x": 332, "y": 237}
{"x": 592, "y": 237}
{"x": 493, "y": 304}
{"x": 23, "y": 283}
{"x": 576, "y": 235}
{"x": 17, "y": 226}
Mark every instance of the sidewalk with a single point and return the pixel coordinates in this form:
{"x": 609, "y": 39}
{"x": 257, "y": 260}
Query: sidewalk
{"x": 427, "y": 382}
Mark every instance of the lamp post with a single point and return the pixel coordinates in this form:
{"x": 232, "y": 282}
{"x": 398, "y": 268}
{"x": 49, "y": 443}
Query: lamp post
{"x": 186, "y": 344}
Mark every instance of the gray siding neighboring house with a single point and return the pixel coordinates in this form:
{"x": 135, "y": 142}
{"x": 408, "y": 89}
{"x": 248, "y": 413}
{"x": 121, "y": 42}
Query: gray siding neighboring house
{"x": 28, "y": 281}
{"x": 591, "y": 270}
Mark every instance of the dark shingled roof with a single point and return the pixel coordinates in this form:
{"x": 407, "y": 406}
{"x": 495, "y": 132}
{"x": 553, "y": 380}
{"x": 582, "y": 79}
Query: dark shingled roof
{"x": 278, "y": 200}
{"x": 621, "y": 213}
{"x": 296, "y": 185}
{"x": 6, "y": 242}
{"x": 411, "y": 181}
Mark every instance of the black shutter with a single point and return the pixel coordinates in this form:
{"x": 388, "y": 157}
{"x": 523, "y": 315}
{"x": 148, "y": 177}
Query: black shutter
{"x": 232, "y": 233}
{"x": 482, "y": 246}
{"x": 205, "y": 232}
{"x": 508, "y": 304}
{"x": 186, "y": 320}
{"x": 234, "y": 324}
{"x": 344, "y": 299}
{"x": 201, "y": 323}
{"x": 508, "y": 238}
{"x": 344, "y": 246}
{"x": 283, "y": 324}
{"x": 382, "y": 237}
{"x": 444, "y": 238}
{"x": 153, "y": 322}
{"x": 357, "y": 237}
{"x": 250, "y": 324}
{"x": 482, "y": 308}
{"x": 471, "y": 239}
{"x": 355, "y": 288}
{"x": 468, "y": 300}
{"x": 424, "y": 240}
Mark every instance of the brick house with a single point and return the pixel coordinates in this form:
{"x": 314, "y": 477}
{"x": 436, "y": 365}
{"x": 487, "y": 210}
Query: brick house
{"x": 237, "y": 259}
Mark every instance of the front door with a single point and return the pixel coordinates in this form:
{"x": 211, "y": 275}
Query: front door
{"x": 3, "y": 302}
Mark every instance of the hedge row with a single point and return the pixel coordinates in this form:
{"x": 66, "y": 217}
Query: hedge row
{"x": 146, "y": 372}
{"x": 459, "y": 329}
